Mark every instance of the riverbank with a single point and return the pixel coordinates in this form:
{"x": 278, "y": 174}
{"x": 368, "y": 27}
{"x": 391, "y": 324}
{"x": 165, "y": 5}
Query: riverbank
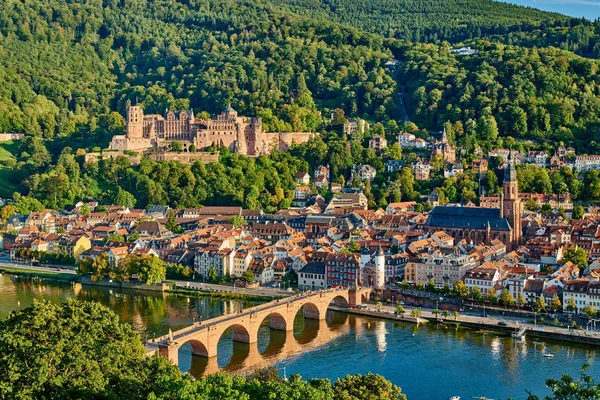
{"x": 51, "y": 275}
{"x": 221, "y": 295}
{"x": 496, "y": 324}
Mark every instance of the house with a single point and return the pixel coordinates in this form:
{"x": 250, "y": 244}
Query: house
{"x": 402, "y": 206}
{"x": 363, "y": 172}
{"x": 453, "y": 169}
{"x": 212, "y": 257}
{"x": 406, "y": 140}
{"x": 356, "y": 128}
{"x": 353, "y": 200}
{"x": 263, "y": 272}
{"x": 538, "y": 158}
{"x": 578, "y": 290}
{"x": 152, "y": 228}
{"x": 463, "y": 51}
{"x": 484, "y": 277}
{"x": 480, "y": 167}
{"x": 378, "y": 143}
{"x": 312, "y": 276}
{"x": 421, "y": 169}
{"x": 302, "y": 178}
{"x": 301, "y": 194}
{"x": 394, "y": 165}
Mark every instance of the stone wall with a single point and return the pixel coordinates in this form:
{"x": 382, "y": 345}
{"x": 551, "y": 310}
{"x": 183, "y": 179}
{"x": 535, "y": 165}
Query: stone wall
{"x": 106, "y": 155}
{"x": 286, "y": 140}
{"x": 186, "y": 158}
{"x": 134, "y": 284}
{"x": 5, "y": 137}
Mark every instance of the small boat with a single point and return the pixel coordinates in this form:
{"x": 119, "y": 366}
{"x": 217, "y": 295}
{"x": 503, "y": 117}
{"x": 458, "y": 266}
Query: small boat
{"x": 548, "y": 355}
{"x": 455, "y": 398}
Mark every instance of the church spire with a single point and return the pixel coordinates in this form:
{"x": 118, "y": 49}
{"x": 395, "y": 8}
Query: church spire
{"x": 510, "y": 173}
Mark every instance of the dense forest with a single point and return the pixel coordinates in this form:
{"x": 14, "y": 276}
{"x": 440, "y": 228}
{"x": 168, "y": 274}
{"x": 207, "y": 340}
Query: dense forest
{"x": 541, "y": 94}
{"x": 70, "y": 69}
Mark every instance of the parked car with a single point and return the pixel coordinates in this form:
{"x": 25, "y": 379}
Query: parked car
{"x": 502, "y": 323}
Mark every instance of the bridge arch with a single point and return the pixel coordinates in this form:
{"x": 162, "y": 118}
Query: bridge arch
{"x": 198, "y": 348}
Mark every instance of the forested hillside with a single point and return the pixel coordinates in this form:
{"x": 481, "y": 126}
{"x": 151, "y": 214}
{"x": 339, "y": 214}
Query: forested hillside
{"x": 544, "y": 94}
{"x": 426, "y": 20}
{"x": 70, "y": 68}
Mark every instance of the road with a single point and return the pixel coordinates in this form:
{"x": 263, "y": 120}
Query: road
{"x": 475, "y": 317}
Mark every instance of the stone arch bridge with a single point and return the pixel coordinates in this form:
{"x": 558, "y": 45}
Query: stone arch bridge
{"x": 204, "y": 337}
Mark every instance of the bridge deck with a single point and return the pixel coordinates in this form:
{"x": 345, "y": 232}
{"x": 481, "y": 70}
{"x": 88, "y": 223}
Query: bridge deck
{"x": 153, "y": 345}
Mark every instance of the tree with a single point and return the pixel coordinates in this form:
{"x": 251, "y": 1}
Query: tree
{"x": 379, "y": 306}
{"x": 237, "y": 221}
{"x": 491, "y": 295}
{"x": 455, "y": 314}
{"x": 555, "y": 305}
{"x": 247, "y": 276}
{"x": 366, "y": 387}
{"x": 353, "y": 247}
{"x": 176, "y": 146}
{"x": 578, "y": 212}
{"x": 85, "y": 210}
{"x": 400, "y": 310}
{"x": 539, "y": 305}
{"x": 476, "y": 293}
{"x": 567, "y": 388}
{"x": 506, "y": 298}
{"x": 460, "y": 289}
{"x": 7, "y": 212}
{"x": 416, "y": 313}
{"x": 114, "y": 237}
{"x": 98, "y": 268}
{"x": 430, "y": 285}
{"x": 521, "y": 299}
{"x": 571, "y": 304}
{"x": 124, "y": 198}
{"x": 149, "y": 269}
{"x": 213, "y": 276}
{"x": 172, "y": 224}
{"x": 79, "y": 350}
{"x": 590, "y": 311}
{"x": 435, "y": 311}
{"x": 576, "y": 255}
{"x": 445, "y": 314}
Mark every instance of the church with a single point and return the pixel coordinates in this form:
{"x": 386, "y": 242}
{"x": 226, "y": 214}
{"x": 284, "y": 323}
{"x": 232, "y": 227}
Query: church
{"x": 482, "y": 225}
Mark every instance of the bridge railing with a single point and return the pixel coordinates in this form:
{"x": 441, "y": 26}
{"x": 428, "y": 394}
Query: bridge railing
{"x": 222, "y": 318}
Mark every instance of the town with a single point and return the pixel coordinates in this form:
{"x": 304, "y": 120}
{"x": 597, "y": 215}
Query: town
{"x": 509, "y": 248}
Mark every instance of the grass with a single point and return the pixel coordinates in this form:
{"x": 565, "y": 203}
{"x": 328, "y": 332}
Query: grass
{"x": 220, "y": 295}
{"x": 7, "y": 155}
{"x": 59, "y": 276}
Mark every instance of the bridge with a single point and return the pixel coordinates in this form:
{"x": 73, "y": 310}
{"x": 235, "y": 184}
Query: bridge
{"x": 204, "y": 336}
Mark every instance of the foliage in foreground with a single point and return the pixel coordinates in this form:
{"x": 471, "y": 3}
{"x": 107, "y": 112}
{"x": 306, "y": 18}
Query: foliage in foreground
{"x": 80, "y": 350}
{"x": 569, "y": 388}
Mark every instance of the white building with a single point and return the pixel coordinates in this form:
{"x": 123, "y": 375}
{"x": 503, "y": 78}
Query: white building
{"x": 312, "y": 276}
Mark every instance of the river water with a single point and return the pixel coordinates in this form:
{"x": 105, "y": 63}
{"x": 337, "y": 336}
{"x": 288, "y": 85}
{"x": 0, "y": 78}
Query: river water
{"x": 427, "y": 362}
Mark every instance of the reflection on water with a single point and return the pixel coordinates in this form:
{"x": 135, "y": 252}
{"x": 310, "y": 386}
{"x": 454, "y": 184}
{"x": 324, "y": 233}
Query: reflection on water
{"x": 428, "y": 362}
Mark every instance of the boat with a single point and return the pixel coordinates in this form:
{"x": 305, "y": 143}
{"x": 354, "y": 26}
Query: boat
{"x": 454, "y": 398}
{"x": 548, "y": 355}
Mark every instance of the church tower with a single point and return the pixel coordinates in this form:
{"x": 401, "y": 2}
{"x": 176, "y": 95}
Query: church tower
{"x": 511, "y": 207}
{"x": 380, "y": 269}
{"x": 135, "y": 122}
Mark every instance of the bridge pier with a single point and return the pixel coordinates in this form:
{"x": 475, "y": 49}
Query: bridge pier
{"x": 170, "y": 352}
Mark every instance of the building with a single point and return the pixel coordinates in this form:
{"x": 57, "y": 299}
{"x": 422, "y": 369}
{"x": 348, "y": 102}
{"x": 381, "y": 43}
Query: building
{"x": 221, "y": 260}
{"x": 443, "y": 266}
{"x": 444, "y": 148}
{"x": 363, "y": 172}
{"x": 354, "y": 200}
{"x": 463, "y": 51}
{"x": 538, "y": 158}
{"x": 342, "y": 269}
{"x": 302, "y": 178}
{"x": 421, "y": 169}
{"x": 312, "y": 276}
{"x": 406, "y": 140}
{"x": 356, "y": 128}
{"x": 378, "y": 143}
{"x": 586, "y": 163}
{"x": 394, "y": 165}
{"x": 242, "y": 135}
{"x": 480, "y": 167}
{"x": 453, "y": 169}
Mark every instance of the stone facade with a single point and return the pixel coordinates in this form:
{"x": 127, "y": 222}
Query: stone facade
{"x": 243, "y": 135}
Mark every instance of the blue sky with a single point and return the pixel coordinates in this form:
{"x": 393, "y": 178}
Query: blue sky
{"x": 576, "y": 8}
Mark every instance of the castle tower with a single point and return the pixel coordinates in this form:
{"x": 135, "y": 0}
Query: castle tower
{"x": 380, "y": 269}
{"x": 511, "y": 207}
{"x": 135, "y": 122}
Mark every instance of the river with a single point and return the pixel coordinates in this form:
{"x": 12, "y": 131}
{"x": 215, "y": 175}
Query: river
{"x": 428, "y": 362}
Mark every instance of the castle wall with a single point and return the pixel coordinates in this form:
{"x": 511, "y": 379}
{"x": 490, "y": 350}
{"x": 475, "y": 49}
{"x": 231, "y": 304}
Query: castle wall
{"x": 5, "y": 137}
{"x": 186, "y": 158}
{"x": 286, "y": 140}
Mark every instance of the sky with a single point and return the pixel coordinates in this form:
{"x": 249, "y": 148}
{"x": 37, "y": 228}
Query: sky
{"x": 589, "y": 9}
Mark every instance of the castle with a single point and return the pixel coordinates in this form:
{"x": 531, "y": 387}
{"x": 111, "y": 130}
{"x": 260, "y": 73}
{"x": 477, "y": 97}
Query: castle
{"x": 242, "y": 135}
{"x": 443, "y": 148}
